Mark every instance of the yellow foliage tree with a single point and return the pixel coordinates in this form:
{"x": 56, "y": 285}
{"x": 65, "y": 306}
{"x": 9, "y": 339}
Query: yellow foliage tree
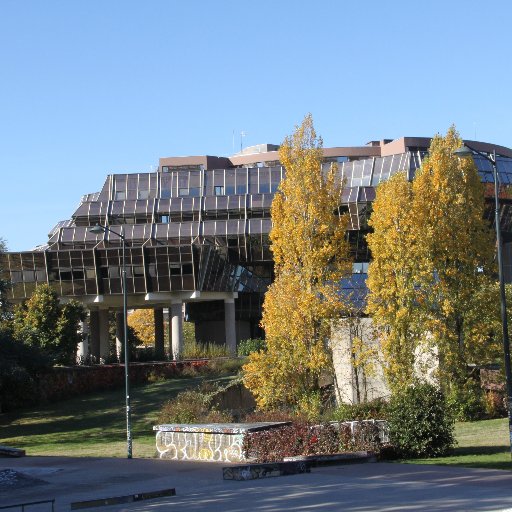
{"x": 142, "y": 321}
{"x": 391, "y": 278}
{"x": 454, "y": 249}
{"x": 311, "y": 255}
{"x": 431, "y": 277}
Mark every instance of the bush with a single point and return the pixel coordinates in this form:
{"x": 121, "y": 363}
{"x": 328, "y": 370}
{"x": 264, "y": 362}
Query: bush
{"x": 494, "y": 404}
{"x": 420, "y": 423}
{"x": 19, "y": 364}
{"x": 372, "y": 410}
{"x": 194, "y": 406}
{"x": 303, "y": 438}
{"x": 195, "y": 350}
{"x": 466, "y": 401}
{"x": 245, "y": 347}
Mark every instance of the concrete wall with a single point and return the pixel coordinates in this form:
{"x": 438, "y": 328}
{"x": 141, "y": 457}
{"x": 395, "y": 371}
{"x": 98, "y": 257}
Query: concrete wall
{"x": 358, "y": 361}
{"x": 353, "y": 341}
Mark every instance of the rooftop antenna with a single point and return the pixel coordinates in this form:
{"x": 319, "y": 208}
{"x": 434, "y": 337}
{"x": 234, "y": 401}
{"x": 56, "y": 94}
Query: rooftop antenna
{"x": 242, "y": 135}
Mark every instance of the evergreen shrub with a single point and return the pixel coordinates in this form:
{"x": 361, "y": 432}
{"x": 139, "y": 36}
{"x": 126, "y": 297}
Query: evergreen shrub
{"x": 420, "y": 422}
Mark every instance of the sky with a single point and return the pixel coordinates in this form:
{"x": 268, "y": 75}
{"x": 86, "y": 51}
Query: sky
{"x": 95, "y": 87}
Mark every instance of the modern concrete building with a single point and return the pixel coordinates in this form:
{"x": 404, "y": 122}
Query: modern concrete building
{"x": 197, "y": 234}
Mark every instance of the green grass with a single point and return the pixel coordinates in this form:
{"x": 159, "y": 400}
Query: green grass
{"x": 92, "y": 425}
{"x": 480, "y": 444}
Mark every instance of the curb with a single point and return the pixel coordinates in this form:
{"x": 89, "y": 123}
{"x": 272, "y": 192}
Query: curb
{"x": 334, "y": 459}
{"x": 102, "y": 502}
{"x": 256, "y": 471}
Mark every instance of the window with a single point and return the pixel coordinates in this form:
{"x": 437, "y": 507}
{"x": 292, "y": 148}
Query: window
{"x": 165, "y": 219}
{"x": 142, "y": 194}
{"x": 194, "y": 191}
{"x": 241, "y": 189}
{"x": 120, "y": 196}
{"x": 218, "y": 190}
{"x": 183, "y": 191}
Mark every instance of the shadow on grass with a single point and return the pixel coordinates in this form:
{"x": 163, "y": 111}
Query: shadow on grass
{"x": 479, "y": 450}
{"x": 97, "y": 417}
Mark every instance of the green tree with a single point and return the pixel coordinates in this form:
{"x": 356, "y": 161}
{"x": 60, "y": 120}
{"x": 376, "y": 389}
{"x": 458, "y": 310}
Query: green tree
{"x": 311, "y": 255}
{"x": 43, "y": 322}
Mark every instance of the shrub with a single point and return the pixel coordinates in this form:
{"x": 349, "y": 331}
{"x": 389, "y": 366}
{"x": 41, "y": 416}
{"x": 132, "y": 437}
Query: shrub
{"x": 466, "y": 401}
{"x": 372, "y": 410}
{"x": 19, "y": 364}
{"x": 195, "y": 350}
{"x": 420, "y": 423}
{"x": 194, "y": 406}
{"x": 245, "y": 347}
{"x": 303, "y": 438}
{"x": 494, "y": 404}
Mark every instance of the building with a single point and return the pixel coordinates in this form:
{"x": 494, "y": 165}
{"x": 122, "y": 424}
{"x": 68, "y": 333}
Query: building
{"x": 196, "y": 233}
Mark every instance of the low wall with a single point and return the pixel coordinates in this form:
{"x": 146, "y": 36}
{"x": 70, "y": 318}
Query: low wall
{"x": 206, "y": 442}
{"x": 66, "y": 382}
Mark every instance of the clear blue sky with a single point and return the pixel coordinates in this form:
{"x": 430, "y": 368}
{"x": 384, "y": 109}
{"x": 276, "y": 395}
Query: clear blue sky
{"x": 92, "y": 87}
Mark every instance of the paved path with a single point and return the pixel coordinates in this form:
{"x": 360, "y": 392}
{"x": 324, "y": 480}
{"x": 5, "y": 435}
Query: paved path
{"x": 199, "y": 486}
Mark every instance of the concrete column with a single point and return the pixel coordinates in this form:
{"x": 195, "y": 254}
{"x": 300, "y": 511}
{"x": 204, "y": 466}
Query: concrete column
{"x": 119, "y": 334}
{"x": 83, "y": 347}
{"x": 104, "y": 337}
{"x": 94, "y": 329}
{"x": 230, "y": 325}
{"x": 176, "y": 312}
{"x": 159, "y": 333}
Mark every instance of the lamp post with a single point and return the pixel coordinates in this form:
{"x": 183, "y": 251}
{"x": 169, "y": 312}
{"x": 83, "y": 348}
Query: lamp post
{"x": 466, "y": 151}
{"x": 103, "y": 229}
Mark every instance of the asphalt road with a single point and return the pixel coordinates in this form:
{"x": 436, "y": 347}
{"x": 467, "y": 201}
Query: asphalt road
{"x": 199, "y": 486}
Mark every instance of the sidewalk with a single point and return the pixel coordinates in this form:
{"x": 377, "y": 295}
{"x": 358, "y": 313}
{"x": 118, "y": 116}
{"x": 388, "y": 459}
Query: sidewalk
{"x": 199, "y": 486}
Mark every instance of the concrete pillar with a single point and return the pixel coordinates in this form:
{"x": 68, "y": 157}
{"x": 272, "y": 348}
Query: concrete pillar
{"x": 119, "y": 334}
{"x": 83, "y": 347}
{"x": 94, "y": 329}
{"x": 104, "y": 335}
{"x": 230, "y": 325}
{"x": 177, "y": 329}
{"x": 159, "y": 333}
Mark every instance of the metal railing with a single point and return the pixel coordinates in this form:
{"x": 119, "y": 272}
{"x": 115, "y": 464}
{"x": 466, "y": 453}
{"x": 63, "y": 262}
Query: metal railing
{"x": 29, "y": 503}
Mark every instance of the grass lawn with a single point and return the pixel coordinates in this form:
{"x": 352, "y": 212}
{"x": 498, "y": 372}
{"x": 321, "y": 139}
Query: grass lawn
{"x": 481, "y": 444}
{"x": 92, "y": 425}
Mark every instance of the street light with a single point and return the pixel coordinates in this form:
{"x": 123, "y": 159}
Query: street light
{"x": 102, "y": 230}
{"x": 466, "y": 151}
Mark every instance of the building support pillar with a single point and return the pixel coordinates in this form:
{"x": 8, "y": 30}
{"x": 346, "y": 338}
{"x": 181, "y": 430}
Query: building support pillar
{"x": 82, "y": 351}
{"x": 176, "y": 311}
{"x": 230, "y": 325}
{"x": 104, "y": 335}
{"x": 119, "y": 334}
{"x": 159, "y": 333}
{"x": 94, "y": 329}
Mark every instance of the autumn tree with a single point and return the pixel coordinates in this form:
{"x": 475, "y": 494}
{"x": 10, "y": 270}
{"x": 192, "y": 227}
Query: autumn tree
{"x": 454, "y": 249}
{"x": 431, "y": 277}
{"x": 143, "y": 323}
{"x": 311, "y": 255}
{"x": 391, "y": 279}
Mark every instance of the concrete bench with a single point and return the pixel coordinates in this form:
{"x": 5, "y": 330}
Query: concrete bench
{"x": 218, "y": 442}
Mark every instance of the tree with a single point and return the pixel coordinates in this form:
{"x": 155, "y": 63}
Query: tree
{"x": 4, "y": 284}
{"x": 431, "y": 277}
{"x": 454, "y": 251}
{"x": 391, "y": 279}
{"x": 143, "y": 323}
{"x": 311, "y": 255}
{"x": 43, "y": 322}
